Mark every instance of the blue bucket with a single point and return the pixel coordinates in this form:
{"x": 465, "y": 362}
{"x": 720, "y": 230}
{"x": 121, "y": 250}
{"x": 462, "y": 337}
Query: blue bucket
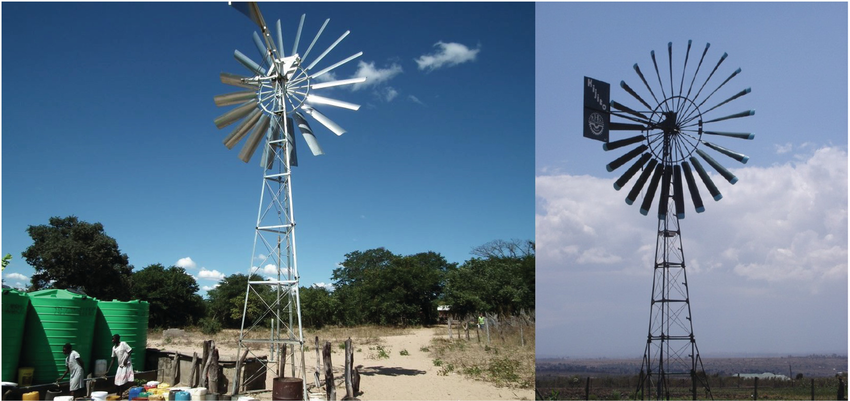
{"x": 182, "y": 396}
{"x": 135, "y": 391}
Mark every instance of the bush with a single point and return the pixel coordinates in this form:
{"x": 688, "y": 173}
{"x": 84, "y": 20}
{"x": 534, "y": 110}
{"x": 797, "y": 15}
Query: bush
{"x": 210, "y": 326}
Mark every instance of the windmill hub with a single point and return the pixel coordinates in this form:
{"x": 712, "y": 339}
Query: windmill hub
{"x": 669, "y": 124}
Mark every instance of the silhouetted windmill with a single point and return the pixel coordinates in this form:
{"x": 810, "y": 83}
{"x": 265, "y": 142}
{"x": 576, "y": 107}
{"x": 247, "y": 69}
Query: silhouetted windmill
{"x": 673, "y": 133}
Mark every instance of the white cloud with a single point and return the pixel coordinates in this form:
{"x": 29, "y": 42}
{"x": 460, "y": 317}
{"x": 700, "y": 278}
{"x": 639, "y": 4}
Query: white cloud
{"x": 16, "y": 276}
{"x": 327, "y": 286}
{"x": 447, "y": 55}
{"x": 415, "y": 99}
{"x": 782, "y": 149}
{"x": 210, "y": 274}
{"x": 784, "y": 223}
{"x": 389, "y": 93}
{"x": 209, "y": 287}
{"x": 374, "y": 76}
{"x": 186, "y": 263}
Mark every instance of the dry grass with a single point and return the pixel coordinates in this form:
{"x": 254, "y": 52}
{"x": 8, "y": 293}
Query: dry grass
{"x": 504, "y": 362}
{"x": 361, "y": 335}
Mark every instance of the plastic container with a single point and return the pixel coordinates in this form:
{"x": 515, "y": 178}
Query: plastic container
{"x": 52, "y": 394}
{"x": 182, "y": 396}
{"x": 198, "y": 393}
{"x": 32, "y": 395}
{"x": 129, "y": 320}
{"x": 56, "y": 317}
{"x": 99, "y": 395}
{"x": 100, "y": 367}
{"x": 113, "y": 397}
{"x": 64, "y": 398}
{"x": 15, "y": 304}
{"x": 25, "y": 377}
{"x": 135, "y": 391}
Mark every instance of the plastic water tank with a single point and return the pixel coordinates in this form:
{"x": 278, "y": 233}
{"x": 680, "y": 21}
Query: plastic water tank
{"x": 127, "y": 319}
{"x": 15, "y": 306}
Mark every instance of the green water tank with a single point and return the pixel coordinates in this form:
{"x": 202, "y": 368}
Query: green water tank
{"x": 127, "y": 319}
{"x": 15, "y": 305}
{"x": 56, "y": 317}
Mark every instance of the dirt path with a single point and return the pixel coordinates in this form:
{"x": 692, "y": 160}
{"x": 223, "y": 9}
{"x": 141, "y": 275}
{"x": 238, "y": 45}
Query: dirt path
{"x": 414, "y": 376}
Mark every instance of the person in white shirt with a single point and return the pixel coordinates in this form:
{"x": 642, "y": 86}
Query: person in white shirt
{"x": 74, "y": 365}
{"x": 121, "y": 352}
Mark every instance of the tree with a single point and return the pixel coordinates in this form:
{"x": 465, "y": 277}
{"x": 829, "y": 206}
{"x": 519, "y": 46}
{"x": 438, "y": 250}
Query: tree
{"x": 226, "y": 302}
{"x": 69, "y": 253}
{"x": 172, "y": 294}
{"x": 318, "y": 307}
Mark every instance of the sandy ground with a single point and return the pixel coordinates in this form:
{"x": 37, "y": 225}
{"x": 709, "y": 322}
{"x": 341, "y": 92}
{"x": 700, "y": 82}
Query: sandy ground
{"x": 399, "y": 377}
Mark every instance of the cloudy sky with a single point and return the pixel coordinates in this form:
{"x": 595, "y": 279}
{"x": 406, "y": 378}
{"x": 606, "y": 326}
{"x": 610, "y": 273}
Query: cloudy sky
{"x": 767, "y": 264}
{"x": 108, "y": 115}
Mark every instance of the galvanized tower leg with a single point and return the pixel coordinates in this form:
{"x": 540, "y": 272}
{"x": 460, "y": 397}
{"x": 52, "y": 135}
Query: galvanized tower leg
{"x": 671, "y": 350}
{"x": 271, "y": 318}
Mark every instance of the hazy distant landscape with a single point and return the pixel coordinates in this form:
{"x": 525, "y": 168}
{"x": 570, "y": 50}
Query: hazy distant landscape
{"x": 809, "y": 366}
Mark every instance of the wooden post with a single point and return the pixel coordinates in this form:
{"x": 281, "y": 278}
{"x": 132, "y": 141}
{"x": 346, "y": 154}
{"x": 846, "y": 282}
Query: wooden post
{"x": 349, "y": 361}
{"x": 209, "y": 347}
{"x": 193, "y": 374}
{"x": 450, "y": 327}
{"x": 175, "y": 368}
{"x": 756, "y": 389}
{"x": 487, "y": 328}
{"x": 281, "y": 362}
{"x": 330, "y": 388}
{"x": 237, "y": 380}
{"x": 521, "y": 335}
{"x": 813, "y": 389}
{"x": 840, "y": 389}
{"x": 587, "y": 389}
{"x": 466, "y": 328}
{"x": 355, "y": 380}
{"x": 213, "y": 370}
{"x": 317, "y": 375}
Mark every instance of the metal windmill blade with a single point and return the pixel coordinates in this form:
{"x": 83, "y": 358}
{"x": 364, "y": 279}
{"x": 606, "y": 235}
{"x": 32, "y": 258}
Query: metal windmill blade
{"x": 677, "y": 131}
{"x": 280, "y": 86}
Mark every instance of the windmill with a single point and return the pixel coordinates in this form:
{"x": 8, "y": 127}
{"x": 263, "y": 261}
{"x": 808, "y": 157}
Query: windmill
{"x": 674, "y": 136}
{"x": 279, "y": 92}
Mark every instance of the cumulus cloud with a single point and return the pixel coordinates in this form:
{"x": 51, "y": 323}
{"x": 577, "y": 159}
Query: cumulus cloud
{"x": 784, "y": 223}
{"x": 327, "y": 286}
{"x": 210, "y": 274}
{"x": 782, "y": 149}
{"x": 447, "y": 55}
{"x": 16, "y": 276}
{"x": 415, "y": 99}
{"x": 210, "y": 287}
{"x": 374, "y": 76}
{"x": 186, "y": 263}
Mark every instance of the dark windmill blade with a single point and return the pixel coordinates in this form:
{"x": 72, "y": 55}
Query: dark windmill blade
{"x": 248, "y": 63}
{"x": 231, "y": 116}
{"x": 237, "y": 80}
{"x": 642, "y": 78}
{"x": 631, "y": 171}
{"x": 254, "y": 139}
{"x": 739, "y": 135}
{"x": 738, "y": 71}
{"x": 735, "y": 155}
{"x": 625, "y": 158}
{"x": 234, "y": 98}
{"x": 626, "y": 109}
{"x": 650, "y": 191}
{"x": 622, "y": 142}
{"x": 658, "y": 74}
{"x": 231, "y": 140}
{"x": 626, "y": 127}
{"x": 670, "y": 59}
{"x": 691, "y": 87}
{"x": 678, "y": 192}
{"x": 720, "y": 169}
{"x": 736, "y": 115}
{"x": 737, "y": 95}
{"x": 630, "y": 198}
{"x": 685, "y": 68}
{"x": 307, "y": 133}
{"x": 692, "y": 187}
{"x": 712, "y": 189}
{"x": 716, "y": 66}
{"x": 664, "y": 199}
{"x": 631, "y": 91}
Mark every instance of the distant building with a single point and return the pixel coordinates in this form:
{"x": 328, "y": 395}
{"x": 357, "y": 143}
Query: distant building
{"x": 762, "y": 376}
{"x": 443, "y": 312}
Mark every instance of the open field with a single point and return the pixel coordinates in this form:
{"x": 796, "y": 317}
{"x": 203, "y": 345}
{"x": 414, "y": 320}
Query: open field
{"x": 405, "y": 364}
{"x": 822, "y": 375}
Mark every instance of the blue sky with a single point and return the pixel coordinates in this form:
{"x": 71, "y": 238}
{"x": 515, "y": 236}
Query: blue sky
{"x": 767, "y": 265}
{"x": 107, "y": 114}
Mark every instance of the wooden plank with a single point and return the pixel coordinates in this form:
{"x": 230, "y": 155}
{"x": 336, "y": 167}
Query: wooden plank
{"x": 330, "y": 387}
{"x": 349, "y": 362}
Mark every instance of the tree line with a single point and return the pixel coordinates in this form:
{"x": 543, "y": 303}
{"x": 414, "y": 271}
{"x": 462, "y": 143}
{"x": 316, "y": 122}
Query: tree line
{"x": 374, "y": 286}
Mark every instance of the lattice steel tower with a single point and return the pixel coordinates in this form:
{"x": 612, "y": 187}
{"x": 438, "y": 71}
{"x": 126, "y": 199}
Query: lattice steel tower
{"x": 673, "y": 135}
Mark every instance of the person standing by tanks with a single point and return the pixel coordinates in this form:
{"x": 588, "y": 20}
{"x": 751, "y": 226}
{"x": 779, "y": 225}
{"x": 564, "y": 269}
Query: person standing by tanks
{"x": 73, "y": 365}
{"x": 121, "y": 352}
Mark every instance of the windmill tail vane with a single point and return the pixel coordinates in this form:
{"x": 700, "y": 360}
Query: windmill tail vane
{"x": 670, "y": 138}
{"x": 280, "y": 86}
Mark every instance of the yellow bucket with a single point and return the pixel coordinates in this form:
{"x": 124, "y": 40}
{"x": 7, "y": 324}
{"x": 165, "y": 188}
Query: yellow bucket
{"x": 32, "y": 395}
{"x": 25, "y": 377}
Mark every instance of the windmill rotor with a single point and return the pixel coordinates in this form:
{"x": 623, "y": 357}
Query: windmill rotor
{"x": 280, "y": 86}
{"x": 676, "y": 133}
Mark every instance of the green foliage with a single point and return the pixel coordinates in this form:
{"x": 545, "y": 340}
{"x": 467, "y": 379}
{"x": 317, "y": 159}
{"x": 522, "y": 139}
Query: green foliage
{"x": 226, "y": 302}
{"x": 172, "y": 294}
{"x": 424, "y": 349}
{"x": 211, "y": 326}
{"x": 404, "y": 353}
{"x": 438, "y": 362}
{"x": 382, "y": 353}
{"x": 501, "y": 283}
{"x": 69, "y": 253}
{"x": 318, "y": 307}
{"x": 379, "y": 287}
{"x": 6, "y": 260}
{"x": 504, "y": 370}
